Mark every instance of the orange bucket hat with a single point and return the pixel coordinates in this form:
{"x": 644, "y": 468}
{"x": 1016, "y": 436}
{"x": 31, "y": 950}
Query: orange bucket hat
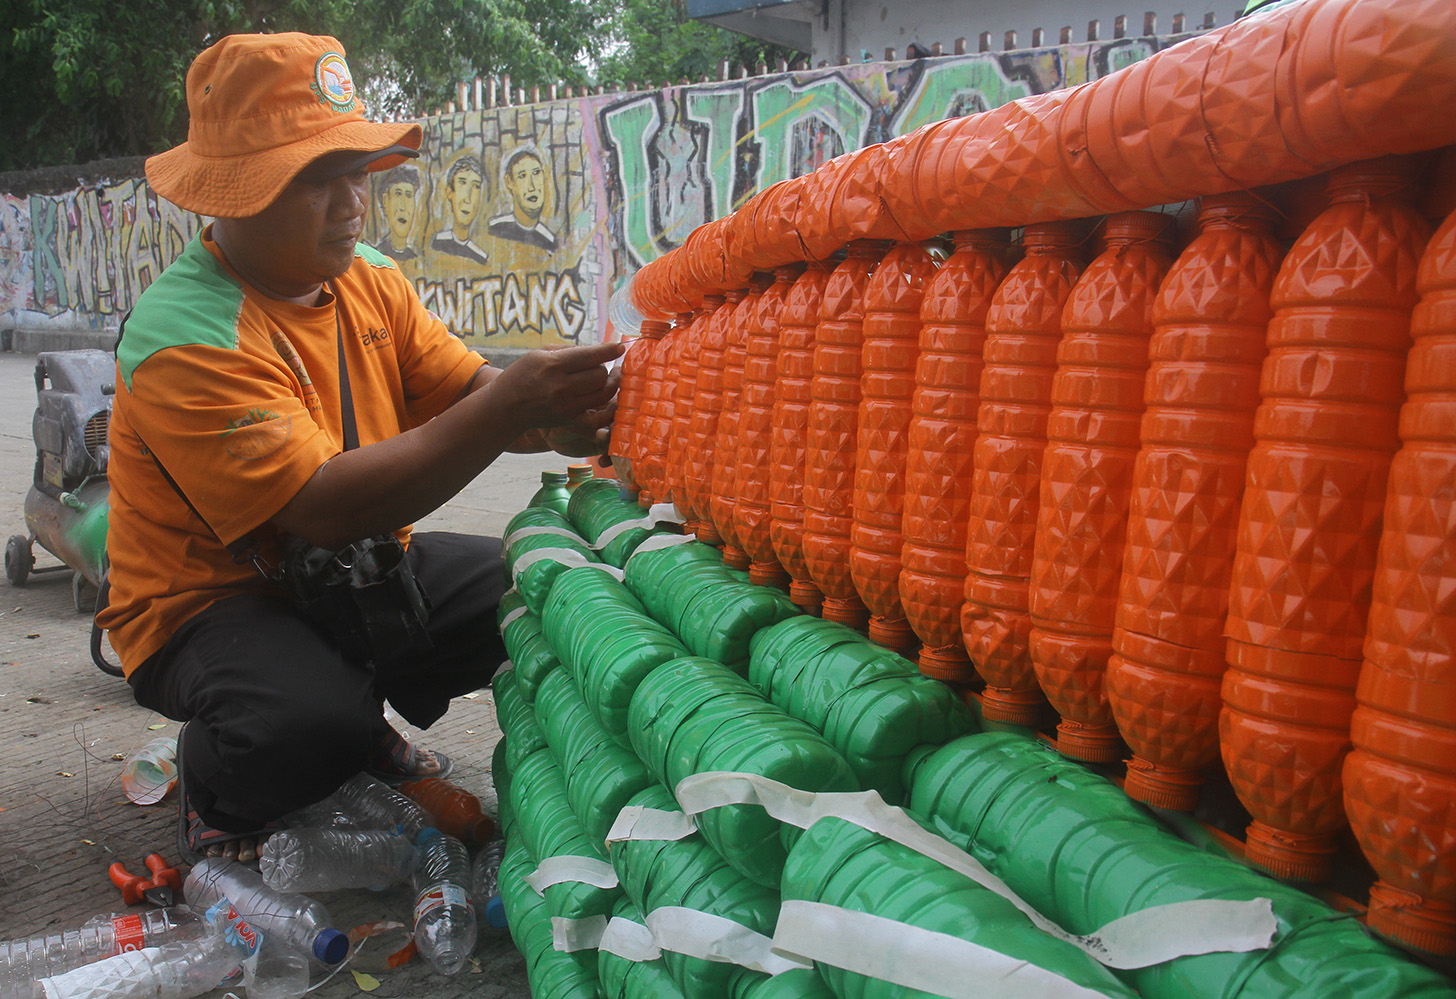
{"x": 262, "y": 108}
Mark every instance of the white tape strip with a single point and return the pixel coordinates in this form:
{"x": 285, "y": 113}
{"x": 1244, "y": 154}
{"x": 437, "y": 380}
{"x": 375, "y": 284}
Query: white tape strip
{"x": 630, "y": 940}
{"x": 913, "y": 957}
{"x": 638, "y": 822}
{"x": 568, "y": 935}
{"x": 533, "y": 532}
{"x": 559, "y": 870}
{"x": 658, "y": 513}
{"x": 564, "y": 556}
{"x": 1177, "y": 930}
{"x": 514, "y": 616}
{"x": 714, "y": 938}
{"x": 657, "y": 542}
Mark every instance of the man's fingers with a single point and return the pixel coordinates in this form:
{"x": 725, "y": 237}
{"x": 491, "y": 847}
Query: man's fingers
{"x": 588, "y": 356}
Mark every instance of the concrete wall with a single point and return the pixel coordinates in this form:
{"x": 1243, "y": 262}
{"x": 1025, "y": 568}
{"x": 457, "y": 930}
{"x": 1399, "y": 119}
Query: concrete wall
{"x": 622, "y": 179}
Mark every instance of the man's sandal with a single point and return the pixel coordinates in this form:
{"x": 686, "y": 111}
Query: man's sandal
{"x": 195, "y": 837}
{"x": 398, "y": 760}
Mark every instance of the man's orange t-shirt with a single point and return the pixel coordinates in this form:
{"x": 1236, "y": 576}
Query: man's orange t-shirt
{"x": 237, "y": 395}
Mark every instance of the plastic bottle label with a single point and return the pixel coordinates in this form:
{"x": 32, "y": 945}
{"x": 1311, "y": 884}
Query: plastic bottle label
{"x": 237, "y": 931}
{"x": 128, "y": 932}
{"x": 440, "y": 896}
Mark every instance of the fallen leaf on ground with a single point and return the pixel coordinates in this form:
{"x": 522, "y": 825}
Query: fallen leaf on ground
{"x": 366, "y": 982}
{"x": 118, "y": 756}
{"x": 153, "y": 728}
{"x": 471, "y": 696}
{"x": 33, "y": 634}
{"x": 64, "y": 773}
{"x": 89, "y": 842}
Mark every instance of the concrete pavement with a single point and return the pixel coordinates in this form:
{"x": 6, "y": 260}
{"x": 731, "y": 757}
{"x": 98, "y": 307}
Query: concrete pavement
{"x": 65, "y": 729}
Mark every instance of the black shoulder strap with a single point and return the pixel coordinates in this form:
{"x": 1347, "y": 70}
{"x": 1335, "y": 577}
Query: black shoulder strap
{"x": 346, "y": 397}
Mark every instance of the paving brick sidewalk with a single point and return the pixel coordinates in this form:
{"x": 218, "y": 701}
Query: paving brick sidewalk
{"x": 64, "y": 725}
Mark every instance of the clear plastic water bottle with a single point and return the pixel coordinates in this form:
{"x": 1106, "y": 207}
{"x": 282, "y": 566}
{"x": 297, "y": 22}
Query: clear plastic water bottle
{"x": 50, "y": 954}
{"x": 173, "y": 971}
{"x": 151, "y": 771}
{"x": 485, "y": 883}
{"x": 331, "y": 859}
{"x": 444, "y": 917}
{"x": 276, "y": 972}
{"x": 375, "y": 805}
{"x": 293, "y": 920}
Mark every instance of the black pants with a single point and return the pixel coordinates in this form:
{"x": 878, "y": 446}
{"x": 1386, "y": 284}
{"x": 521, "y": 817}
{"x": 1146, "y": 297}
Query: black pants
{"x": 278, "y": 718}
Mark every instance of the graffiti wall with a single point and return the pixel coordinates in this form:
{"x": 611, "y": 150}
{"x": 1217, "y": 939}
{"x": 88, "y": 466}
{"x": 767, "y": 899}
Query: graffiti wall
{"x": 516, "y": 224}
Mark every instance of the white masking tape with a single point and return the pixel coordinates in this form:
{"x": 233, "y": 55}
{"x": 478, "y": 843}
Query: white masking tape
{"x": 559, "y": 870}
{"x": 913, "y": 957}
{"x": 630, "y": 940}
{"x": 569, "y": 935}
{"x": 638, "y": 822}
{"x": 514, "y": 616}
{"x": 564, "y": 556}
{"x": 714, "y": 938}
{"x": 657, "y": 542}
{"x": 658, "y": 513}
{"x": 1133, "y": 941}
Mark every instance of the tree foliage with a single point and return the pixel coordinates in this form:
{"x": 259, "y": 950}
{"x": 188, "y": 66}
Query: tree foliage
{"x": 651, "y": 42}
{"x": 91, "y": 79}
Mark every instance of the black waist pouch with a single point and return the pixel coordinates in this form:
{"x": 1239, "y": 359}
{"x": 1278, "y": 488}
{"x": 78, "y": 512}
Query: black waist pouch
{"x": 365, "y": 595}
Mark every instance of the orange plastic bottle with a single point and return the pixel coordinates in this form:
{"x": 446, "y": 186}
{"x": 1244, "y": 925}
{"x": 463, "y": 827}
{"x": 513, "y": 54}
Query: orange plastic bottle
{"x": 1023, "y": 327}
{"x": 724, "y": 459}
{"x": 887, "y": 383}
{"x": 454, "y": 810}
{"x": 833, "y": 424}
{"x": 751, "y": 513}
{"x": 1312, "y": 509}
{"x": 795, "y": 372}
{"x": 678, "y": 441}
{"x": 1400, "y": 779}
{"x": 674, "y": 345}
{"x": 1210, "y": 320}
{"x": 941, "y": 447}
{"x": 649, "y": 439}
{"x": 707, "y": 406}
{"x": 1086, "y": 477}
{"x": 629, "y": 405}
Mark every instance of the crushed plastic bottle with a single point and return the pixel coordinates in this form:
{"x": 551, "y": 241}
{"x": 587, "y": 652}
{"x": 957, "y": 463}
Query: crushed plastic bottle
{"x": 303, "y": 860}
{"x": 150, "y": 772}
{"x": 50, "y": 954}
{"x": 375, "y": 805}
{"x": 444, "y": 917}
{"x": 485, "y": 882}
{"x": 291, "y": 919}
{"x": 174, "y": 971}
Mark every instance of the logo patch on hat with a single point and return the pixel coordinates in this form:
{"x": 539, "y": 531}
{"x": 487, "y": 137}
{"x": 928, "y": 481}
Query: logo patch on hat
{"x": 332, "y": 82}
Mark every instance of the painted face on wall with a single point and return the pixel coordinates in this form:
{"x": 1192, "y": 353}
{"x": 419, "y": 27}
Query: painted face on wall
{"x": 464, "y": 197}
{"x": 526, "y": 183}
{"x": 399, "y": 210}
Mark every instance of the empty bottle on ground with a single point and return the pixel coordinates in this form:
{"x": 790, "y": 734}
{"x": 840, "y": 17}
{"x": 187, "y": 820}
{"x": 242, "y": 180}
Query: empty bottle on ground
{"x": 50, "y": 954}
{"x": 290, "y": 919}
{"x": 304, "y": 860}
{"x": 444, "y": 917}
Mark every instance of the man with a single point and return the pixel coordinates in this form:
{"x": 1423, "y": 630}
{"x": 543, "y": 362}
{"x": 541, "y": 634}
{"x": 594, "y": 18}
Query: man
{"x": 398, "y": 190}
{"x": 462, "y": 196}
{"x": 243, "y": 372}
{"x": 524, "y": 180}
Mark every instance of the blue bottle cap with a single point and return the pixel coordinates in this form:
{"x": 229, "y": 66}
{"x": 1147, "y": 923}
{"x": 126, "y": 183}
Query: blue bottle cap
{"x": 330, "y": 946}
{"x": 427, "y": 835}
{"x": 495, "y": 912}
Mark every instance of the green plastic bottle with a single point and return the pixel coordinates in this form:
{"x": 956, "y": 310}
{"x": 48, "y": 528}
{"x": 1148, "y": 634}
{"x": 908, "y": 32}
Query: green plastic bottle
{"x": 624, "y": 979}
{"x": 536, "y": 579}
{"x": 838, "y": 863}
{"x": 689, "y": 873}
{"x": 553, "y": 494}
{"x": 693, "y": 715}
{"x": 549, "y": 828}
{"x": 527, "y": 647}
{"x": 606, "y": 639}
{"x": 553, "y": 974}
{"x": 596, "y": 505}
{"x": 1072, "y": 845}
{"x": 873, "y": 706}
{"x": 517, "y": 720}
{"x": 704, "y": 603}
{"x": 600, "y": 775}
